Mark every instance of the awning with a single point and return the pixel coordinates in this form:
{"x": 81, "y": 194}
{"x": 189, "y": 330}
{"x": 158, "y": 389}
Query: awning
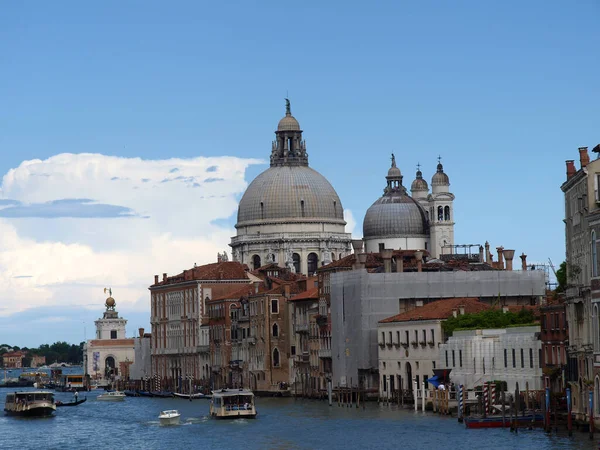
{"x": 434, "y": 381}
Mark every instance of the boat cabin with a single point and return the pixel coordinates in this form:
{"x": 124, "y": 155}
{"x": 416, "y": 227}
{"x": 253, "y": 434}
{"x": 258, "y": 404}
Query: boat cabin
{"x": 232, "y": 403}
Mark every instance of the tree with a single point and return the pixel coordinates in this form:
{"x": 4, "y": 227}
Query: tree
{"x": 561, "y": 277}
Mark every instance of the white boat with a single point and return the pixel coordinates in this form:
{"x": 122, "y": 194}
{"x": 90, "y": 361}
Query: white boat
{"x": 169, "y": 417}
{"x": 114, "y": 396}
{"x": 30, "y": 404}
{"x": 232, "y": 404}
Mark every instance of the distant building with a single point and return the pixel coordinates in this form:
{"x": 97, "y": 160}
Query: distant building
{"x": 555, "y": 343}
{"x": 13, "y": 360}
{"x": 180, "y": 347}
{"x": 141, "y": 368}
{"x": 512, "y": 355}
{"x": 360, "y": 298}
{"x": 38, "y": 361}
{"x": 109, "y": 355}
{"x": 408, "y": 342}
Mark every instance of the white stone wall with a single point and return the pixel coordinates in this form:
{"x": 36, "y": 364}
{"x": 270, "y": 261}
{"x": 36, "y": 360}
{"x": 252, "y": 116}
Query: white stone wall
{"x": 479, "y": 357}
{"x": 105, "y": 326}
{"x": 119, "y": 353}
{"x": 397, "y": 243}
{"x": 401, "y": 360}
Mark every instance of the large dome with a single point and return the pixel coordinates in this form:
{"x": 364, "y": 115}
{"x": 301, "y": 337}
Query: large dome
{"x": 282, "y": 193}
{"x": 394, "y": 215}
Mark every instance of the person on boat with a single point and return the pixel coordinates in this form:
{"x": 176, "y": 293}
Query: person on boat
{"x": 76, "y": 395}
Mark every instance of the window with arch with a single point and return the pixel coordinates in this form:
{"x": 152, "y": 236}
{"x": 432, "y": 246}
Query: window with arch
{"x": 256, "y": 261}
{"x": 313, "y": 263}
{"x": 275, "y": 330}
{"x": 594, "y": 255}
{"x": 440, "y": 213}
{"x": 262, "y": 210}
{"x": 302, "y": 207}
{"x": 597, "y": 328}
{"x": 296, "y": 259}
{"x": 275, "y": 357}
{"x": 446, "y": 213}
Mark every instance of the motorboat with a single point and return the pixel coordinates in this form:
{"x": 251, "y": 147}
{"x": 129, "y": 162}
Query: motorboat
{"x": 113, "y": 396}
{"x": 169, "y": 417}
{"x": 232, "y": 404}
{"x": 30, "y": 404}
{"x": 191, "y": 396}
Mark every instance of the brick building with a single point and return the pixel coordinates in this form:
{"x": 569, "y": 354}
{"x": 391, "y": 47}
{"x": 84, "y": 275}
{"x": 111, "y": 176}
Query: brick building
{"x": 13, "y": 360}
{"x": 555, "y": 343}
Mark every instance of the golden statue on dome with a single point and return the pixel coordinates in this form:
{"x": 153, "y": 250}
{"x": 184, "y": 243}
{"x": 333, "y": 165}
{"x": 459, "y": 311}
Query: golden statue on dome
{"x": 110, "y": 301}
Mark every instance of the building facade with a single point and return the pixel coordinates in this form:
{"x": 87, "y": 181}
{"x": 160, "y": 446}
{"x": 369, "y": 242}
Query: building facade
{"x": 180, "y": 347}
{"x": 408, "y": 343}
{"x": 512, "y": 355}
{"x": 290, "y": 214}
{"x": 13, "y": 360}
{"x": 555, "y": 341}
{"x": 108, "y": 357}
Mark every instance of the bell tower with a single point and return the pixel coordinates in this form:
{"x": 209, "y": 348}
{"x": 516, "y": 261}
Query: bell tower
{"x": 288, "y": 148}
{"x": 441, "y": 213}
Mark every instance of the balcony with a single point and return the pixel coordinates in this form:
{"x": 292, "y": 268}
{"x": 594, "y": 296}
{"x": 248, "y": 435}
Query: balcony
{"x": 324, "y": 353}
{"x": 251, "y": 340}
{"x": 244, "y": 318}
{"x": 203, "y": 349}
{"x": 301, "y": 327}
{"x": 303, "y": 358}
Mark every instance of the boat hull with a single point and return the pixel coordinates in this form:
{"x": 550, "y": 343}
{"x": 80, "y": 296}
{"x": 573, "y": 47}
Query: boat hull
{"x": 496, "y": 421}
{"x": 170, "y": 420}
{"x": 235, "y": 416}
{"x": 38, "y": 411}
{"x": 193, "y": 396}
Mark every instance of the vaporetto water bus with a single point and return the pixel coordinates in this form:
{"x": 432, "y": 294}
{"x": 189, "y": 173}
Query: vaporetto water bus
{"x": 232, "y": 404}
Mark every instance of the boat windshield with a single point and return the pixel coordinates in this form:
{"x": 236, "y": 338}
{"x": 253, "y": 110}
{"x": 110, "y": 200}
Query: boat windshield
{"x": 35, "y": 396}
{"x": 237, "y": 402}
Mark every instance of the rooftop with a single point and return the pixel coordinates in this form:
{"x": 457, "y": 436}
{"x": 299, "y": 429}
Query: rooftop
{"x": 228, "y": 270}
{"x": 440, "y": 309}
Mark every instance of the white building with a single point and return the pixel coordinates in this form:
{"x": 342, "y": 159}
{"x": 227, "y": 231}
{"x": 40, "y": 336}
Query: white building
{"x": 111, "y": 353}
{"x": 408, "y": 342}
{"x": 290, "y": 214}
{"x": 510, "y": 354}
{"x": 423, "y": 221}
{"x": 141, "y": 368}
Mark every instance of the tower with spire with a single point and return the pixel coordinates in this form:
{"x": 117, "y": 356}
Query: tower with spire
{"x": 441, "y": 213}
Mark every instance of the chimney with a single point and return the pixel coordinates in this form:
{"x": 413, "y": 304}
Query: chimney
{"x": 480, "y": 253}
{"x": 165, "y": 276}
{"x": 286, "y": 290}
{"x": 584, "y": 158}
{"x": 357, "y": 246}
{"x": 362, "y": 259}
{"x": 570, "y": 168}
{"x": 508, "y": 256}
{"x": 461, "y": 309}
{"x": 386, "y": 255}
{"x": 256, "y": 286}
{"x": 505, "y": 309}
{"x": 155, "y": 279}
{"x": 419, "y": 258}
{"x": 141, "y": 332}
{"x": 500, "y": 259}
{"x": 523, "y": 261}
{"x": 454, "y": 312}
{"x": 488, "y": 258}
{"x": 399, "y": 264}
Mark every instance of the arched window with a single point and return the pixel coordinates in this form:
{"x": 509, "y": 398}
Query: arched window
{"x": 275, "y": 357}
{"x": 594, "y": 255}
{"x": 275, "y": 330}
{"x": 313, "y": 263}
{"x": 256, "y": 261}
{"x": 440, "y": 213}
{"x": 446, "y": 213}
{"x": 109, "y": 364}
{"x": 597, "y": 330}
{"x": 296, "y": 259}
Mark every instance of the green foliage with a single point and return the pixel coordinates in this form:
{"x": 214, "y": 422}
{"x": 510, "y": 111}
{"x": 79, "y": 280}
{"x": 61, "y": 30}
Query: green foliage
{"x": 57, "y": 352}
{"x": 561, "y": 277}
{"x": 494, "y": 318}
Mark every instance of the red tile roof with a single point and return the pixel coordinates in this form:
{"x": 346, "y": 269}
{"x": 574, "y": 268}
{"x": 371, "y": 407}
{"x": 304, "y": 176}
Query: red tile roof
{"x": 244, "y": 291}
{"x": 310, "y": 294}
{"x": 229, "y": 270}
{"x": 440, "y": 309}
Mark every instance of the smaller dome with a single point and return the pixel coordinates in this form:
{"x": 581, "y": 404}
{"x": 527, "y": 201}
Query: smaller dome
{"x": 288, "y": 123}
{"x": 110, "y": 302}
{"x": 440, "y": 178}
{"x": 419, "y": 184}
{"x": 394, "y": 172}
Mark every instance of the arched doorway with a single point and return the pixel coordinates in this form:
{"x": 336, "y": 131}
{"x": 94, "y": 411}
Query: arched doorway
{"x": 296, "y": 259}
{"x": 275, "y": 358}
{"x": 313, "y": 263}
{"x": 256, "y": 261}
{"x": 110, "y": 367}
{"x": 409, "y": 382}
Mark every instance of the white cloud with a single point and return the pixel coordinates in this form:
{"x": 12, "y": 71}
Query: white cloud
{"x": 351, "y": 224}
{"x": 62, "y": 256}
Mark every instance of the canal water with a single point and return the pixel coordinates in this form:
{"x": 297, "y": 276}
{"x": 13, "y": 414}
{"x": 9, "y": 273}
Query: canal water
{"x": 281, "y": 424}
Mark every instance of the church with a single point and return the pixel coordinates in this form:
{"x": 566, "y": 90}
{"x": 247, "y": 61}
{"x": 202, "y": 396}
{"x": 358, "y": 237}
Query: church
{"x": 292, "y": 216}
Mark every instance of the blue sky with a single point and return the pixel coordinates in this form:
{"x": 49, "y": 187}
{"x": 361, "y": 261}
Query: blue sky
{"x": 505, "y": 92}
